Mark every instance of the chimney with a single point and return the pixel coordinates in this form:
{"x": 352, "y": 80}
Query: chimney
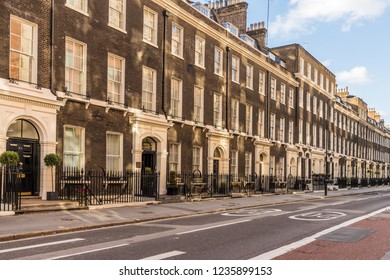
{"x": 259, "y": 33}
{"x": 233, "y": 11}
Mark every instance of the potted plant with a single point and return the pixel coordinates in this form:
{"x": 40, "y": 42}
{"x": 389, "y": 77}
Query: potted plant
{"x": 52, "y": 160}
{"x": 172, "y": 188}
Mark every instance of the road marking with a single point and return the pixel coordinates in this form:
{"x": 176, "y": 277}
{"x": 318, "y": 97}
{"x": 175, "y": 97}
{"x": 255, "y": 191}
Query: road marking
{"x": 212, "y": 227}
{"x": 290, "y": 247}
{"x": 86, "y": 252}
{"x": 40, "y": 245}
{"x": 251, "y": 212}
{"x": 318, "y": 216}
{"x": 165, "y": 255}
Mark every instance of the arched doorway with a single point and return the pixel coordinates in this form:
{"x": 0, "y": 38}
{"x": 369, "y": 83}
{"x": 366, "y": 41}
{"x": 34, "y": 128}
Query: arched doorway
{"x": 23, "y": 138}
{"x": 149, "y": 150}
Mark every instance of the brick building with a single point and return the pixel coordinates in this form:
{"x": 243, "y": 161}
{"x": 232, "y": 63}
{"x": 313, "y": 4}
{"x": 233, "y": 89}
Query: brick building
{"x": 172, "y": 85}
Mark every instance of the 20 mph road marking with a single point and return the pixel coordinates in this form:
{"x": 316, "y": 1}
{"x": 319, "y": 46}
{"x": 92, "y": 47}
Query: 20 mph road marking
{"x": 40, "y": 245}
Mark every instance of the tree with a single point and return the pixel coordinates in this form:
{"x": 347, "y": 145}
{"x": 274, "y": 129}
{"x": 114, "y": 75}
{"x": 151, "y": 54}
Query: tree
{"x": 52, "y": 160}
{"x": 9, "y": 158}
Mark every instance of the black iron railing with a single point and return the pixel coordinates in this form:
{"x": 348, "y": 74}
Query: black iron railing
{"x": 10, "y": 180}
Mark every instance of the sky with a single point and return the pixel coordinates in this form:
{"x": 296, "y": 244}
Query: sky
{"x": 350, "y": 37}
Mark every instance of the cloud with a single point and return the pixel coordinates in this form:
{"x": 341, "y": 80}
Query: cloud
{"x": 303, "y": 14}
{"x": 357, "y": 75}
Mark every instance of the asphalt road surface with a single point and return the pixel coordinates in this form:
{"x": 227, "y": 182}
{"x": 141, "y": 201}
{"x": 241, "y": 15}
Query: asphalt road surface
{"x": 254, "y": 233}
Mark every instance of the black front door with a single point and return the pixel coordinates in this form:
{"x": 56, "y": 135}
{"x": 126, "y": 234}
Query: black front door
{"x": 215, "y": 176}
{"x": 148, "y": 176}
{"x": 28, "y": 157}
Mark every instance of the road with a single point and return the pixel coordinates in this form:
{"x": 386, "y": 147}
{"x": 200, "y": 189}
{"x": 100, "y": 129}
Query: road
{"x": 253, "y": 233}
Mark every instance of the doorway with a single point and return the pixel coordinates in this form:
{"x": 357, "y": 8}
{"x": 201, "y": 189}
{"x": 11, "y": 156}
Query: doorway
{"x": 24, "y": 140}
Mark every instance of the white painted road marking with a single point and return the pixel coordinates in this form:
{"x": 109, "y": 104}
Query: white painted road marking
{"x": 251, "y": 212}
{"x": 318, "y": 216}
{"x": 40, "y": 245}
{"x": 212, "y": 227}
{"x": 165, "y": 255}
{"x": 290, "y": 247}
{"x": 86, "y": 252}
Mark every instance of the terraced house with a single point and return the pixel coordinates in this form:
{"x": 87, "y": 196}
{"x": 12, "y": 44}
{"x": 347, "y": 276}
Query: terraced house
{"x": 174, "y": 85}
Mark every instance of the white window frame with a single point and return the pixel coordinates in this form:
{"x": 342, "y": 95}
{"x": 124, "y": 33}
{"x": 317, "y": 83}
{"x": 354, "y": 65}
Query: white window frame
{"x": 234, "y": 162}
{"x": 218, "y": 61}
{"x": 301, "y": 66}
{"x": 119, "y": 21}
{"x": 308, "y": 134}
{"x": 248, "y": 164}
{"x": 114, "y": 157}
{"x": 282, "y": 130}
{"x": 177, "y": 43}
{"x": 308, "y": 71}
{"x": 291, "y": 132}
{"x": 235, "y": 107}
{"x": 283, "y": 93}
{"x": 77, "y": 153}
{"x": 70, "y": 85}
{"x": 321, "y": 111}
{"x": 249, "y": 119}
{"x": 301, "y": 98}
{"x": 32, "y": 54}
{"x": 249, "y": 76}
{"x": 272, "y": 127}
{"x": 314, "y": 105}
{"x": 300, "y": 128}
{"x": 176, "y": 97}
{"x": 200, "y": 48}
{"x": 175, "y": 157}
{"x": 260, "y": 123}
{"x": 291, "y": 98}
{"x": 217, "y": 109}
{"x": 314, "y": 136}
{"x": 198, "y": 104}
{"x": 80, "y": 6}
{"x": 197, "y": 152}
{"x": 235, "y": 69}
{"x": 308, "y": 101}
{"x": 150, "y": 26}
{"x": 113, "y": 78}
{"x": 273, "y": 88}
{"x": 147, "y": 93}
{"x": 261, "y": 82}
{"x": 281, "y": 169}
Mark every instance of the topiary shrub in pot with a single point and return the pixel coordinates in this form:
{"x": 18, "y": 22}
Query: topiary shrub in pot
{"x": 52, "y": 160}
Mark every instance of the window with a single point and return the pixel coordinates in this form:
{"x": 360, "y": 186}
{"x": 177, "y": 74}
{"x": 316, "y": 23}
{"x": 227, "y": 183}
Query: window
{"x": 308, "y": 73}
{"x": 174, "y": 157}
{"x": 314, "y": 136}
{"x": 176, "y": 97}
{"x": 23, "y": 50}
{"x": 291, "y": 132}
{"x": 199, "y": 51}
{"x": 234, "y": 114}
{"x": 148, "y": 89}
{"x": 117, "y": 16}
{"x": 177, "y": 40}
{"x": 308, "y": 138}
{"x": 291, "y": 98}
{"x": 150, "y": 26}
{"x": 300, "y": 131}
{"x": 273, "y": 88}
{"x": 115, "y": 79}
{"x": 114, "y": 153}
{"x": 198, "y": 104}
{"x": 235, "y": 69}
{"x": 321, "y": 111}
{"x": 260, "y": 123}
{"x": 79, "y": 5}
{"x": 197, "y": 158}
{"x": 327, "y": 85}
{"x": 301, "y": 97}
{"x": 272, "y": 165}
{"x": 281, "y": 168}
{"x": 283, "y": 93}
{"x": 272, "y": 126}
{"x": 316, "y": 76}
{"x": 314, "y": 105}
{"x": 248, "y": 164}
{"x": 320, "y": 139}
{"x": 73, "y": 147}
{"x": 321, "y": 80}
{"x": 248, "y": 124}
{"x": 233, "y": 162}
{"x": 249, "y": 76}
{"x": 218, "y": 61}
{"x": 217, "y": 110}
{"x": 301, "y": 66}
{"x": 308, "y": 101}
{"x": 75, "y": 66}
{"x": 282, "y": 126}
{"x": 262, "y": 83}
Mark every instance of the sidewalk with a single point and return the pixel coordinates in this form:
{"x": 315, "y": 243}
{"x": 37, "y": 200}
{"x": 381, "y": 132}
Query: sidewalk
{"x": 30, "y": 225}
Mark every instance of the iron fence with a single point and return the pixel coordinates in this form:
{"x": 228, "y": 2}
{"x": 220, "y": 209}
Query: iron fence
{"x": 99, "y": 188}
{"x": 10, "y": 198}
